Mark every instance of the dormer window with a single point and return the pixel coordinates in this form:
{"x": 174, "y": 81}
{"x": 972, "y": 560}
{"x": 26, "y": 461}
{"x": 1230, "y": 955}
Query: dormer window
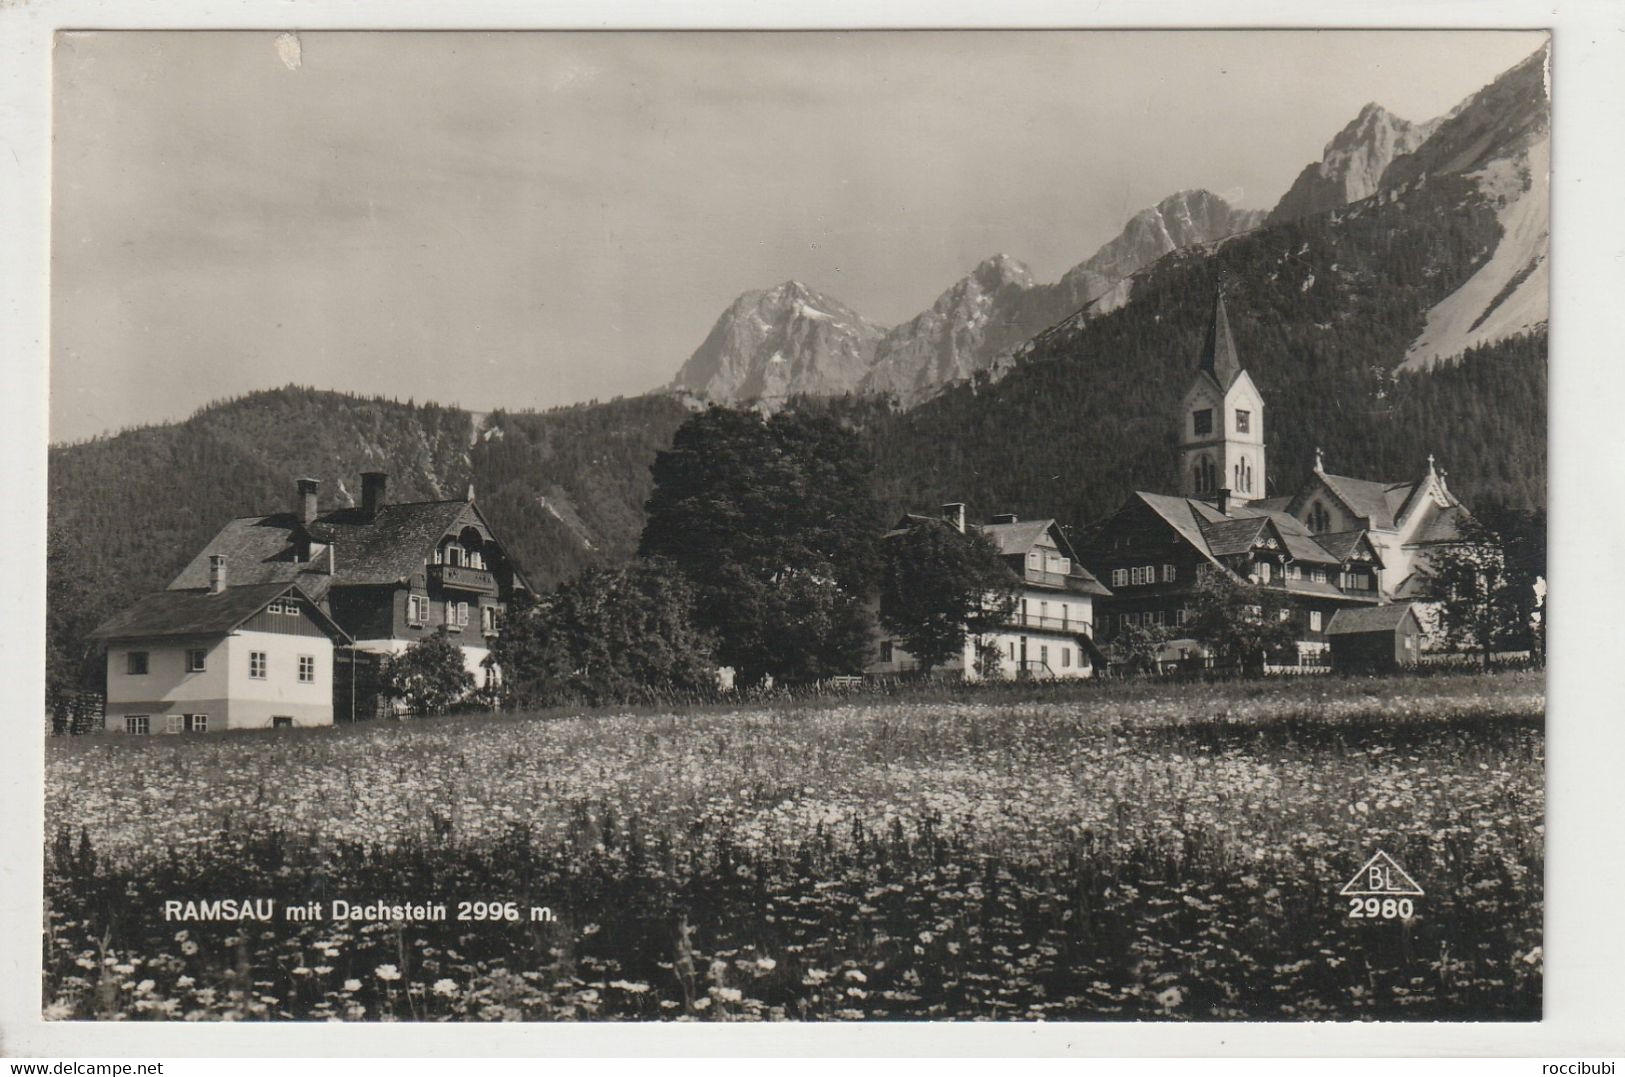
{"x": 1203, "y": 421}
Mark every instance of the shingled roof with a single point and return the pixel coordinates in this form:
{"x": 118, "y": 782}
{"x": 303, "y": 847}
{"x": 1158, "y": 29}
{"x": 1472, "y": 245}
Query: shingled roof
{"x": 1378, "y": 502}
{"x": 1181, "y": 515}
{"x": 1219, "y": 350}
{"x": 1234, "y": 536}
{"x": 1015, "y": 538}
{"x": 384, "y": 548}
{"x": 1369, "y": 619}
{"x": 1340, "y": 544}
{"x": 200, "y": 612}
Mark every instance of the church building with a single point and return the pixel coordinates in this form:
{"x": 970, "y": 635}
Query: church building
{"x": 1338, "y": 543}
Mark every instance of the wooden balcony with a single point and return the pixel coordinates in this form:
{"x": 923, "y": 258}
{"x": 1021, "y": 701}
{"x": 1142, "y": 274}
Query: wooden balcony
{"x": 1059, "y": 624}
{"x": 461, "y": 578}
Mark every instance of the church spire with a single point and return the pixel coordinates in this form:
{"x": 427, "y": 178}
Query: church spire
{"x": 1219, "y": 350}
{"x": 1221, "y": 423}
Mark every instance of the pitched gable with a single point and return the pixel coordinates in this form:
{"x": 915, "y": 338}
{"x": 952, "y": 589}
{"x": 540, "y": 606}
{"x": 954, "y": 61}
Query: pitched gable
{"x": 201, "y": 612}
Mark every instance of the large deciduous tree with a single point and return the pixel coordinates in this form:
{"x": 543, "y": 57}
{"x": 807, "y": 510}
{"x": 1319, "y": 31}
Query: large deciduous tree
{"x": 1483, "y": 583}
{"x": 940, "y": 587}
{"x": 773, "y": 520}
{"x": 428, "y": 677}
{"x": 1240, "y": 622}
{"x": 609, "y": 636}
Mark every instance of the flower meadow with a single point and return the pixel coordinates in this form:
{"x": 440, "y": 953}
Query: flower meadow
{"x": 1165, "y": 851}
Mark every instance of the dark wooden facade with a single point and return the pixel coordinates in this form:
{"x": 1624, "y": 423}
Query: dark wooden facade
{"x": 1377, "y": 644}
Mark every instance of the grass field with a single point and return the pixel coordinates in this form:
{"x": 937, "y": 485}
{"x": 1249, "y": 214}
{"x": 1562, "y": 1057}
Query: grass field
{"x": 1078, "y": 852}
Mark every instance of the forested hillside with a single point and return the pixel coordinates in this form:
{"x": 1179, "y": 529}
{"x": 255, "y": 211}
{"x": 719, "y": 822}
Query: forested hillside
{"x": 565, "y": 488}
{"x": 1322, "y": 310}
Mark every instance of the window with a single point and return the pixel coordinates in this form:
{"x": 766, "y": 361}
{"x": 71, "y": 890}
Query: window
{"x": 1244, "y": 421}
{"x": 1182, "y": 616}
{"x": 1293, "y": 572}
{"x": 1167, "y": 573}
{"x": 1319, "y": 519}
{"x": 135, "y": 663}
{"x": 1119, "y": 577}
{"x": 1284, "y": 615}
{"x": 417, "y": 609}
{"x": 1314, "y": 620}
{"x": 281, "y": 721}
{"x": 196, "y": 660}
{"x": 1043, "y": 612}
{"x": 1318, "y": 575}
{"x": 197, "y": 723}
{"x": 462, "y": 614}
{"x": 284, "y": 605}
{"x": 1264, "y": 571}
{"x": 1202, "y": 421}
{"x": 256, "y": 665}
{"x": 173, "y": 723}
{"x": 1012, "y": 650}
{"x": 885, "y": 650}
{"x": 1066, "y": 657}
{"x": 307, "y": 669}
{"x": 136, "y": 723}
{"x": 1043, "y": 654}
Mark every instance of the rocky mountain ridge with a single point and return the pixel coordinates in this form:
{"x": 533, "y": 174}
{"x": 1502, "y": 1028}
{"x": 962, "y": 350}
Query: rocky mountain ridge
{"x": 777, "y": 342}
{"x": 1353, "y": 163}
{"x": 761, "y": 349}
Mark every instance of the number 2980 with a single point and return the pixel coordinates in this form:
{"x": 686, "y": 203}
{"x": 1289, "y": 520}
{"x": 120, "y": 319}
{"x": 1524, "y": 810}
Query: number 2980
{"x": 1374, "y": 908}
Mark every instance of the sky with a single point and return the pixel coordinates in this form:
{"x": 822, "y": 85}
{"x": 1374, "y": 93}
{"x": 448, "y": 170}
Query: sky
{"x": 523, "y": 220}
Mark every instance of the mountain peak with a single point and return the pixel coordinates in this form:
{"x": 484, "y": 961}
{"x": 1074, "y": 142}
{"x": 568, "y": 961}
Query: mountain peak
{"x": 1351, "y": 165}
{"x": 777, "y": 342}
{"x": 1001, "y": 269}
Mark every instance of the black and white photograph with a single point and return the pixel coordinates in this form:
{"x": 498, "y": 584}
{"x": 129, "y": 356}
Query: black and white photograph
{"x": 979, "y": 525}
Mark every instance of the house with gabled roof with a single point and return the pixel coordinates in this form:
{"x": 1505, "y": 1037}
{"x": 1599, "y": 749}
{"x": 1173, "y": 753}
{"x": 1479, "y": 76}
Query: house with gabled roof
{"x": 389, "y": 573}
{"x": 206, "y": 659}
{"x": 1049, "y": 634}
{"x": 1405, "y": 520}
{"x": 1339, "y": 543}
{"x": 383, "y": 575}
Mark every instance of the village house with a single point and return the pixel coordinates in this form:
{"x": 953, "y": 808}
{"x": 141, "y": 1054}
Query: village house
{"x": 382, "y": 575}
{"x": 1048, "y": 634}
{"x": 1338, "y": 543}
{"x": 202, "y": 660}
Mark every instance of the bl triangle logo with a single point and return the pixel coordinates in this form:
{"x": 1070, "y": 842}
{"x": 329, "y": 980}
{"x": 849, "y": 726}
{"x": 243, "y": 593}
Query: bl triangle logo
{"x": 1381, "y": 875}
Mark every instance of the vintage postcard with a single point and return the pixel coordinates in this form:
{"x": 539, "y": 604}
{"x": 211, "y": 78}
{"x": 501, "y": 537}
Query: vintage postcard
{"x": 892, "y": 526}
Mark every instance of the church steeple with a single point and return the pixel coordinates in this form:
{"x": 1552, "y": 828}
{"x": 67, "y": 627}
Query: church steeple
{"x": 1219, "y": 349}
{"x": 1221, "y": 423}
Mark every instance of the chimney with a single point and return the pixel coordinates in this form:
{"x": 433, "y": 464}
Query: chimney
{"x": 373, "y": 485}
{"x": 1004, "y": 518}
{"x": 304, "y": 501}
{"x": 1222, "y": 502}
{"x": 217, "y": 573}
{"x": 954, "y": 513}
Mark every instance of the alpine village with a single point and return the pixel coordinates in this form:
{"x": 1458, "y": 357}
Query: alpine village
{"x": 1217, "y": 448}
